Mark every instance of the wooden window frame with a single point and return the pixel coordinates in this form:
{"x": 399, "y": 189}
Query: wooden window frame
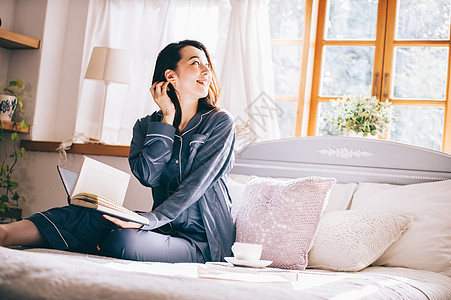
{"x": 385, "y": 43}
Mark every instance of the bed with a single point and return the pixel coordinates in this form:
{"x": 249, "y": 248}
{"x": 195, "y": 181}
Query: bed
{"x": 359, "y": 218}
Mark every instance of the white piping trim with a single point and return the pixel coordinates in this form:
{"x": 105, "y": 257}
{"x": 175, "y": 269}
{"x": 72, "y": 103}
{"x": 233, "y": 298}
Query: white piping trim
{"x": 202, "y": 142}
{"x": 180, "y": 157}
{"x": 160, "y": 135}
{"x": 67, "y": 246}
{"x": 181, "y": 141}
{"x": 156, "y": 219}
{"x": 200, "y": 120}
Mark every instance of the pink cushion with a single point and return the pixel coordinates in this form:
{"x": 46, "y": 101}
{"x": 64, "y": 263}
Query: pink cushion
{"x": 283, "y": 216}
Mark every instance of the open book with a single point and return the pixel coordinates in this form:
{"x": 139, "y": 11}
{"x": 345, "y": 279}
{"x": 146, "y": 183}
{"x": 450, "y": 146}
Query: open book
{"x": 101, "y": 187}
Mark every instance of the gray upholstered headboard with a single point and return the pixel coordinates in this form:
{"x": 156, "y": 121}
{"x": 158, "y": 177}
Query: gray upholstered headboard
{"x": 344, "y": 158}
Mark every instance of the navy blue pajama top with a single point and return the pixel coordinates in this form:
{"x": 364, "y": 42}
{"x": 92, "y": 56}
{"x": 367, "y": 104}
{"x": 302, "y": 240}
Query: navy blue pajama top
{"x": 188, "y": 173}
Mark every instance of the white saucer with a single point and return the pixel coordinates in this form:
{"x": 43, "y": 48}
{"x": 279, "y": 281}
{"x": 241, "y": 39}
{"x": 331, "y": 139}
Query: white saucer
{"x": 248, "y": 263}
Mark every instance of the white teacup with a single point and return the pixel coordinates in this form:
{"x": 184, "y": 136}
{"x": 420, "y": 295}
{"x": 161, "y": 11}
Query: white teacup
{"x": 246, "y": 251}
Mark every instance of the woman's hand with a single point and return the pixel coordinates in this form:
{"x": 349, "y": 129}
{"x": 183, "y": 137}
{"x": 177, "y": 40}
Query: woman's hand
{"x": 159, "y": 91}
{"x": 122, "y": 223}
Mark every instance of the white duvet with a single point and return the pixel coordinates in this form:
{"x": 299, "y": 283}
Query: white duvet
{"x": 50, "y": 274}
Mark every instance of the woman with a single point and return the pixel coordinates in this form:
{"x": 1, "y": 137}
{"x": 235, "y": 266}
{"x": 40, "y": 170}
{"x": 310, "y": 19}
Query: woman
{"x": 184, "y": 152}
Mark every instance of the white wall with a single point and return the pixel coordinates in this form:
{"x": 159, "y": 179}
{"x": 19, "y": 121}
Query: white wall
{"x": 7, "y": 16}
{"x": 28, "y": 19}
{"x": 60, "y": 72}
{"x": 51, "y": 75}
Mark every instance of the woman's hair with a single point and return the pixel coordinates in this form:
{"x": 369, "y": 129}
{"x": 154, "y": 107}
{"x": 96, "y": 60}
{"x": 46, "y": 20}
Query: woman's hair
{"x": 168, "y": 58}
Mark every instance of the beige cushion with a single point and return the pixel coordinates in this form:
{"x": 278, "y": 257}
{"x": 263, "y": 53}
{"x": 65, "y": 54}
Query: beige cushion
{"x": 352, "y": 240}
{"x": 426, "y": 245}
{"x": 283, "y": 216}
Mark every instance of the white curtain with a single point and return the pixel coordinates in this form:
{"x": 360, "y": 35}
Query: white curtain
{"x": 247, "y": 76}
{"x": 240, "y": 50}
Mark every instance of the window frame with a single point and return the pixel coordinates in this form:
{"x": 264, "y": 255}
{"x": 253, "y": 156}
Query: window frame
{"x": 385, "y": 43}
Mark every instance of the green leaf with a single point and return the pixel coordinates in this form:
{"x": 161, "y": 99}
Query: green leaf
{"x": 20, "y": 84}
{"x": 24, "y": 125}
{"x": 13, "y": 184}
{"x": 15, "y": 197}
{"x": 14, "y": 136}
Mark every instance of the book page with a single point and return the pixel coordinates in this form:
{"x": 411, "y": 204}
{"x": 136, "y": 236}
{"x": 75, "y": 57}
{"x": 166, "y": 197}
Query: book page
{"x": 102, "y": 180}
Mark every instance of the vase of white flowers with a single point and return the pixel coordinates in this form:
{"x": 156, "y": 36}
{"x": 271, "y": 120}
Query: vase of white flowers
{"x": 365, "y": 116}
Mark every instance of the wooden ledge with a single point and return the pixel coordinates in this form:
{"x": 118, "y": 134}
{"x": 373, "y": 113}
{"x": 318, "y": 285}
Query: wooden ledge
{"x": 11, "y": 40}
{"x": 78, "y": 148}
{"x": 12, "y": 126}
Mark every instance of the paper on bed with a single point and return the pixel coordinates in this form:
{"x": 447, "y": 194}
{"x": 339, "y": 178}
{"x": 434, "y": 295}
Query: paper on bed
{"x": 226, "y": 271}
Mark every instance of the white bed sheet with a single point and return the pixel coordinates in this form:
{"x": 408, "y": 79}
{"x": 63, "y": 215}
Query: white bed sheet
{"x": 52, "y": 274}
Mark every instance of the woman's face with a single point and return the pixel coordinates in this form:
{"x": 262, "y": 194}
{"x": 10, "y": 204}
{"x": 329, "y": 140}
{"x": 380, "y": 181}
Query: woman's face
{"x": 192, "y": 77}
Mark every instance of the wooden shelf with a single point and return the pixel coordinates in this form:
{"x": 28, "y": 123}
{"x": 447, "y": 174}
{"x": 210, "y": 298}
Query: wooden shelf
{"x": 11, "y": 126}
{"x": 78, "y": 148}
{"x": 14, "y": 41}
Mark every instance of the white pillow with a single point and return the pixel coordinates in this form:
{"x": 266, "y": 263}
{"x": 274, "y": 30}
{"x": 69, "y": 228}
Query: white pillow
{"x": 352, "y": 240}
{"x": 426, "y": 245}
{"x": 340, "y": 196}
{"x": 283, "y": 216}
{"x": 236, "y": 190}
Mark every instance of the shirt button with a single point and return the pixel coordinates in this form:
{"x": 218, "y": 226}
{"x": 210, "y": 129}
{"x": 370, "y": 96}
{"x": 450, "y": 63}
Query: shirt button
{"x": 176, "y": 161}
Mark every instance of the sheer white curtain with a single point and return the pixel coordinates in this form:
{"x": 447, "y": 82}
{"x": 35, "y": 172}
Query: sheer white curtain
{"x": 247, "y": 76}
{"x": 144, "y": 27}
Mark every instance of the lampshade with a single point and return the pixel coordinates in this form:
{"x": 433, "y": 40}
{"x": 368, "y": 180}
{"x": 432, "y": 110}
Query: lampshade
{"x": 109, "y": 65}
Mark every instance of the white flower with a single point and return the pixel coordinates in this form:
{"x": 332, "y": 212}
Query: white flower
{"x": 362, "y": 114}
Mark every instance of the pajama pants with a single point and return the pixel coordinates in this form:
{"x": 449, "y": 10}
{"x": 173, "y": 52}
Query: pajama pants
{"x": 84, "y": 230}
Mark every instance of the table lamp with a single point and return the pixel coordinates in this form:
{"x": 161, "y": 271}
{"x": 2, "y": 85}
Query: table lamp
{"x": 109, "y": 65}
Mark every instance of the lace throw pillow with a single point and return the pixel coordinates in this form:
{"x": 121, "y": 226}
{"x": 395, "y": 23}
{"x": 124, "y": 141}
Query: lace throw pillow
{"x": 351, "y": 240}
{"x": 283, "y": 216}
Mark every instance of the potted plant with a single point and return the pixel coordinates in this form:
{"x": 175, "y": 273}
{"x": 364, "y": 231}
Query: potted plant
{"x": 11, "y": 105}
{"x": 11, "y": 152}
{"x": 365, "y": 116}
{"x": 9, "y": 196}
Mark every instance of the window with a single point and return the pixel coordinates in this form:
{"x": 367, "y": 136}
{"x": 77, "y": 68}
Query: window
{"x": 286, "y": 27}
{"x": 396, "y": 50}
